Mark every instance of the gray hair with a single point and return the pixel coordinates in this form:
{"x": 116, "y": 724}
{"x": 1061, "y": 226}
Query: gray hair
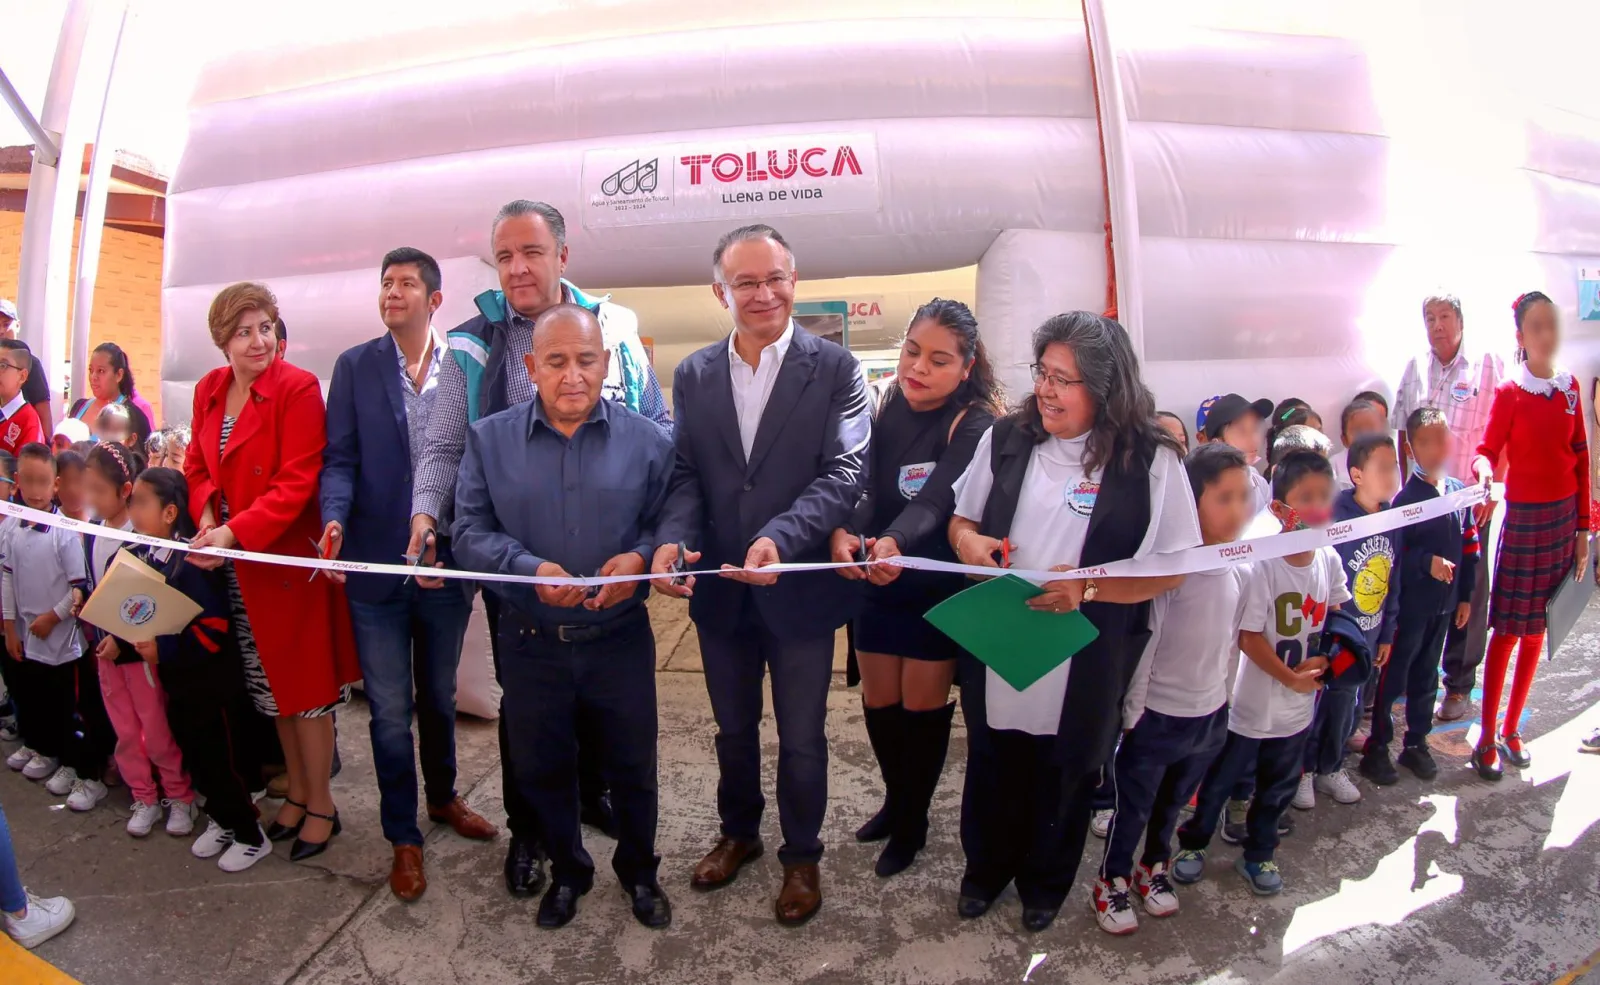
{"x": 1450, "y": 299}
{"x": 549, "y": 213}
{"x": 742, "y": 234}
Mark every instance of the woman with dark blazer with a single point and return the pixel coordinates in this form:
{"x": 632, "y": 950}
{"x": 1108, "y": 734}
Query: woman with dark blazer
{"x": 259, "y": 429}
{"x": 1081, "y": 475}
{"x": 941, "y": 402}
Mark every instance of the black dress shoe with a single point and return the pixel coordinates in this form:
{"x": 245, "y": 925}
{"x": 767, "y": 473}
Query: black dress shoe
{"x": 284, "y": 832}
{"x": 1486, "y": 770}
{"x": 1037, "y": 918}
{"x": 598, "y": 815}
{"x": 876, "y": 828}
{"x": 972, "y": 907}
{"x": 1511, "y": 751}
{"x": 559, "y": 906}
{"x": 302, "y": 849}
{"x": 650, "y": 905}
{"x": 524, "y": 867}
{"x": 895, "y": 858}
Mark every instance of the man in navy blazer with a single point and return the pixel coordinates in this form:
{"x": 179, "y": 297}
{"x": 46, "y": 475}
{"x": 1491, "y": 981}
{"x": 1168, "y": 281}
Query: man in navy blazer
{"x": 771, "y": 441}
{"x": 378, "y": 405}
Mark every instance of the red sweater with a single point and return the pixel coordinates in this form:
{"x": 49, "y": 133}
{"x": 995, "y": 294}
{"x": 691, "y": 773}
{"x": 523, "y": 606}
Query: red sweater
{"x": 20, "y": 429}
{"x": 1544, "y": 441}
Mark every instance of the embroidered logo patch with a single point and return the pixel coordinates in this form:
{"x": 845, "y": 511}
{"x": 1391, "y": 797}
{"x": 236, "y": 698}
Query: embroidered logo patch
{"x": 1572, "y": 400}
{"x": 1461, "y": 391}
{"x": 1081, "y": 497}
{"x": 138, "y": 609}
{"x": 13, "y": 432}
{"x": 912, "y": 478}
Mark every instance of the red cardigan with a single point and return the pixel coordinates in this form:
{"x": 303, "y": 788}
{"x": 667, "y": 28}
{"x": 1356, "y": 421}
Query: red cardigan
{"x": 270, "y": 474}
{"x": 1544, "y": 440}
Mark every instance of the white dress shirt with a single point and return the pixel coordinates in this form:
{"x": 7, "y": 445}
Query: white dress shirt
{"x": 752, "y": 385}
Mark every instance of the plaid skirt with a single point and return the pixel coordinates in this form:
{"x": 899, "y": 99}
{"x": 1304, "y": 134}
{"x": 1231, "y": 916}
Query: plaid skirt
{"x": 1536, "y": 548}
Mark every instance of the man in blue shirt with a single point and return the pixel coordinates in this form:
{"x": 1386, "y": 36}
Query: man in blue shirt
{"x": 570, "y": 484}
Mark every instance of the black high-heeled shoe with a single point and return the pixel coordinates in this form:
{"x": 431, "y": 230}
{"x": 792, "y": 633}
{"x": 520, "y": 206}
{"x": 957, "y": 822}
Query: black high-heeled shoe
{"x": 283, "y": 832}
{"x": 302, "y": 849}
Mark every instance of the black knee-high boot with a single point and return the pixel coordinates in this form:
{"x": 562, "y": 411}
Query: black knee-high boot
{"x": 924, "y": 740}
{"x": 883, "y": 726}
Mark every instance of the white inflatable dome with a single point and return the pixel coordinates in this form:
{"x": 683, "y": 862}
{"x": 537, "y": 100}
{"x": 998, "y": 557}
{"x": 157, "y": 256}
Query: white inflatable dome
{"x": 1288, "y": 179}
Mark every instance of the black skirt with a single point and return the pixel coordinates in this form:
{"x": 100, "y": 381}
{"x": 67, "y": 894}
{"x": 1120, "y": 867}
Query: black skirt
{"x": 899, "y": 630}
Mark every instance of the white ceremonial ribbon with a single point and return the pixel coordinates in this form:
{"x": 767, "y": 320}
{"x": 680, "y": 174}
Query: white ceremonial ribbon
{"x": 1207, "y": 557}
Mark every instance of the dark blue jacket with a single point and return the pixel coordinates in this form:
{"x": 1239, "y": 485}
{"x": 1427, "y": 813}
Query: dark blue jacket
{"x": 366, "y": 467}
{"x": 1453, "y": 537}
{"x": 806, "y": 472}
{"x": 1371, "y": 565}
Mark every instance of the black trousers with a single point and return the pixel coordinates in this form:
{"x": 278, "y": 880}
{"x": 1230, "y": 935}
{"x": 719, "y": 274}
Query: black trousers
{"x": 1021, "y": 819}
{"x": 1276, "y": 765}
{"x": 549, "y": 687}
{"x": 1411, "y": 673}
{"x": 61, "y": 714}
{"x": 210, "y": 713}
{"x": 1464, "y": 648}
{"x": 591, "y": 777}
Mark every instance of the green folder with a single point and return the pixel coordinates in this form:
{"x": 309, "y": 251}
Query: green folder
{"x": 992, "y": 620}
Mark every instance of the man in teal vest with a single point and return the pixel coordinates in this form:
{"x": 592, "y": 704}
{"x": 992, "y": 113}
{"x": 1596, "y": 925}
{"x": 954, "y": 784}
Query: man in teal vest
{"x": 485, "y": 374}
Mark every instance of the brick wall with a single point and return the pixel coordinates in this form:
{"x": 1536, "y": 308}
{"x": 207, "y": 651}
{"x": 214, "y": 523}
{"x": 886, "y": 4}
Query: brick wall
{"x": 127, "y": 296}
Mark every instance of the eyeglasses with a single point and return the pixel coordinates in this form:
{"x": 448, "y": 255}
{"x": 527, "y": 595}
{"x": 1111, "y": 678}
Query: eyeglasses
{"x": 776, "y": 284}
{"x": 6, "y": 365}
{"x": 1052, "y": 380}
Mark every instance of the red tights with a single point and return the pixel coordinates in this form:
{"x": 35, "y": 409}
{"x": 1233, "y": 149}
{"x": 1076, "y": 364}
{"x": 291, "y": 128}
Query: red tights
{"x": 1494, "y": 681}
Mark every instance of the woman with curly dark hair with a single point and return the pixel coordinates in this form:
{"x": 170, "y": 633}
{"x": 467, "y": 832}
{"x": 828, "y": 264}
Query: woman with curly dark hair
{"x": 1080, "y": 475}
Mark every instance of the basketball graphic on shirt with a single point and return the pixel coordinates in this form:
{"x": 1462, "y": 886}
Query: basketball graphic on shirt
{"x": 1370, "y": 586}
{"x": 1081, "y": 496}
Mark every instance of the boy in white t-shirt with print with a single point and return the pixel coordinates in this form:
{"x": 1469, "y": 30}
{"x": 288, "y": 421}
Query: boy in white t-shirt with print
{"x": 1274, "y": 695}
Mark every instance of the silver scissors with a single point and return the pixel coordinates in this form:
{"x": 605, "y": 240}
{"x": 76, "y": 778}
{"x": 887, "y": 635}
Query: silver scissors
{"x": 415, "y": 560}
{"x": 317, "y": 549}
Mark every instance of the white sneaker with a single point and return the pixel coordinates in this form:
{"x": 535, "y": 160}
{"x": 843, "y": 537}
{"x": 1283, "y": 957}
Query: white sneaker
{"x": 86, "y": 794}
{"x": 8, "y": 729}
{"x": 1100, "y": 824}
{"x": 1113, "y": 910}
{"x": 40, "y": 767}
{"x": 180, "y": 818}
{"x": 61, "y": 781}
{"x": 45, "y": 919}
{"x": 240, "y": 856}
{"x": 1154, "y": 887}
{"x": 1305, "y": 796}
{"x": 21, "y": 758}
{"x": 1339, "y": 786}
{"x": 144, "y": 818}
{"x": 212, "y": 841}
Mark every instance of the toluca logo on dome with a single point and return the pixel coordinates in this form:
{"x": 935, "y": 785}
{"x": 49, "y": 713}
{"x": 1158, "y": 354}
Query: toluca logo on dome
{"x": 813, "y": 162}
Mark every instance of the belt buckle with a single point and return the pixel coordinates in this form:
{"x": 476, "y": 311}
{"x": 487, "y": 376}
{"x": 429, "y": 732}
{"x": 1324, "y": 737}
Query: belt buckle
{"x": 561, "y": 633}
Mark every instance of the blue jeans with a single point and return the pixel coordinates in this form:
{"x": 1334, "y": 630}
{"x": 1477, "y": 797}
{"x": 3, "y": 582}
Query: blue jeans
{"x": 12, "y": 898}
{"x": 1276, "y": 764}
{"x": 412, "y": 639}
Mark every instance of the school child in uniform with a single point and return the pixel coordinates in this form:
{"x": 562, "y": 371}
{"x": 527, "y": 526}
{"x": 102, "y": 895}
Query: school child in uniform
{"x": 1536, "y": 420}
{"x": 134, "y": 699}
{"x": 1286, "y": 602}
{"x": 203, "y": 677}
{"x": 1176, "y": 710}
{"x": 42, "y": 583}
{"x": 19, "y": 422}
{"x": 9, "y": 732}
{"x": 69, "y": 485}
{"x": 1437, "y": 569}
{"x": 1371, "y": 568}
{"x": 1360, "y": 416}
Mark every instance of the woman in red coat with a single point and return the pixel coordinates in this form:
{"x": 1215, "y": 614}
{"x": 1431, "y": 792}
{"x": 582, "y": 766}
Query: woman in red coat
{"x": 259, "y": 430}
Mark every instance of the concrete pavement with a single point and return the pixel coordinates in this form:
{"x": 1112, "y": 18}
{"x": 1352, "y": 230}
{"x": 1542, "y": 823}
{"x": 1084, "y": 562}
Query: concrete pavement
{"x": 1458, "y": 881}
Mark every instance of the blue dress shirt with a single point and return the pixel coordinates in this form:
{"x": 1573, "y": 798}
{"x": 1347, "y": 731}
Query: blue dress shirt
{"x": 527, "y": 494}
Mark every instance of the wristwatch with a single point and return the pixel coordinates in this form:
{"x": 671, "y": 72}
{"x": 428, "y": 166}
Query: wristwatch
{"x": 1090, "y": 590}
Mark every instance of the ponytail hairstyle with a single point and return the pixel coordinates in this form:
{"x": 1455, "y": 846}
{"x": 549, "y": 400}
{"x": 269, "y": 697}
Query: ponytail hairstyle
{"x": 117, "y": 464}
{"x": 1519, "y": 310}
{"x": 119, "y": 365}
{"x": 981, "y": 387}
{"x": 171, "y": 489}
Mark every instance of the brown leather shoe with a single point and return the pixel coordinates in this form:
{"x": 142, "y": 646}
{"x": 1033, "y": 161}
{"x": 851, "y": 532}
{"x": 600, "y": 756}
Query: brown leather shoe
{"x": 801, "y": 895}
{"x": 463, "y": 820}
{"x": 721, "y": 866}
{"x": 1454, "y": 707}
{"x": 406, "y": 880}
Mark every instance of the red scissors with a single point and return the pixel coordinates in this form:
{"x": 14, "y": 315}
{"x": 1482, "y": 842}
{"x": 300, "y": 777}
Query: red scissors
{"x": 1005, "y": 552}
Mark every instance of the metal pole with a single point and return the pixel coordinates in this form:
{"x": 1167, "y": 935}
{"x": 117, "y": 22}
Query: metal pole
{"x": 94, "y": 218}
{"x": 1123, "y": 196}
{"x": 42, "y": 143}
